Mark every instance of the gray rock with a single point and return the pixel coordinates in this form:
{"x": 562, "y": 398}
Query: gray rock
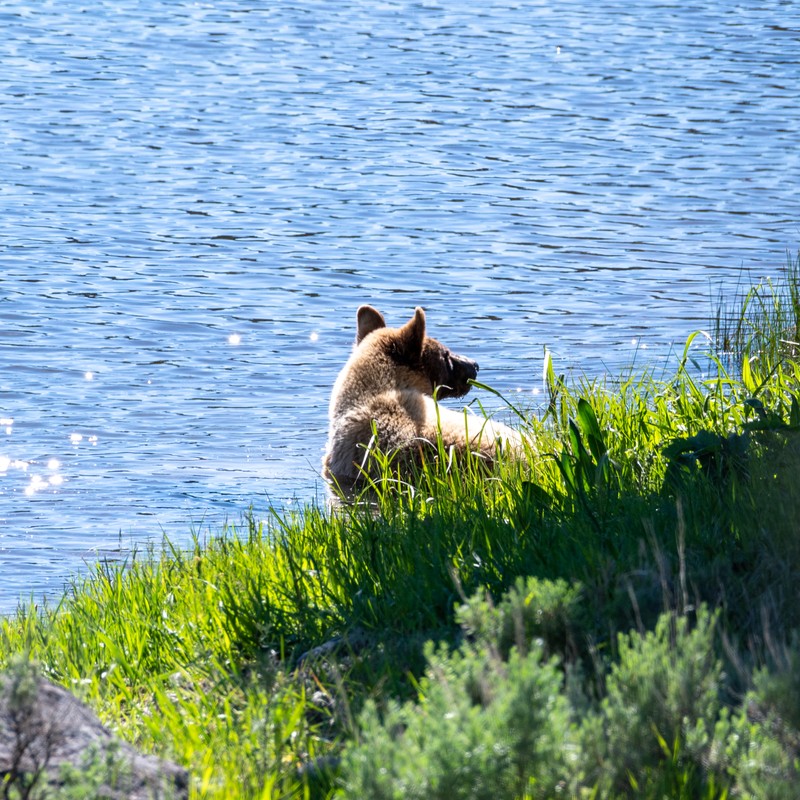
{"x": 52, "y": 744}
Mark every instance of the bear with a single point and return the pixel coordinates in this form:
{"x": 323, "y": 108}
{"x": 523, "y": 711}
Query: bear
{"x": 390, "y": 386}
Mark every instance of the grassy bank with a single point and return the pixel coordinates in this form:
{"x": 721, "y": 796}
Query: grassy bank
{"x": 616, "y": 616}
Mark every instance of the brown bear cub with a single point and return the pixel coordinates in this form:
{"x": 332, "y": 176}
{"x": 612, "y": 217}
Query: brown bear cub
{"x": 388, "y": 386}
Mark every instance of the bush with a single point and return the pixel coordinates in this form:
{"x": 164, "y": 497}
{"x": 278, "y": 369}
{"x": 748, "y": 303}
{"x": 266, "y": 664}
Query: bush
{"x": 533, "y": 610}
{"x": 490, "y": 724}
{"x": 662, "y": 699}
{"x": 482, "y": 729}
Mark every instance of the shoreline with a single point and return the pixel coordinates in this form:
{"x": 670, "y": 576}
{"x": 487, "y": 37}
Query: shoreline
{"x": 616, "y": 613}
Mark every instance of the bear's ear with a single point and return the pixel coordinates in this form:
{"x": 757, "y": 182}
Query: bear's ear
{"x": 412, "y": 334}
{"x": 369, "y": 319}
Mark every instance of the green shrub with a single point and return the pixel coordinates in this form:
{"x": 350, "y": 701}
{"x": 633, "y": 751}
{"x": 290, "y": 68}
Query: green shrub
{"x": 493, "y": 725}
{"x": 755, "y": 754}
{"x": 763, "y": 739}
{"x": 662, "y": 699}
{"x": 482, "y": 729}
{"x": 533, "y": 610}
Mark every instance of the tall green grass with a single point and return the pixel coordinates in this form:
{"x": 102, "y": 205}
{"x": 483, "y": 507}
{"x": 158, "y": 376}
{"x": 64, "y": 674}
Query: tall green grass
{"x": 260, "y": 657}
{"x": 763, "y": 323}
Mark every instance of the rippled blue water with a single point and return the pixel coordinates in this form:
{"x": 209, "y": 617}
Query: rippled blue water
{"x": 195, "y": 197}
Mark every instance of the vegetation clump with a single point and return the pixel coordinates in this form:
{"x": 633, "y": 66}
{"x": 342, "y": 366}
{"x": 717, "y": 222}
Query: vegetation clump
{"x": 615, "y": 615}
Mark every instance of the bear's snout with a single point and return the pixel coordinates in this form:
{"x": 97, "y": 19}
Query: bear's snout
{"x": 456, "y": 382}
{"x": 470, "y": 368}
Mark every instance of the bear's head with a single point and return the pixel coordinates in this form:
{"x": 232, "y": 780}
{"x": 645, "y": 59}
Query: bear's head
{"x": 430, "y": 366}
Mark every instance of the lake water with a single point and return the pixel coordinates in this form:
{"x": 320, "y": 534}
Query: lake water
{"x": 196, "y": 196}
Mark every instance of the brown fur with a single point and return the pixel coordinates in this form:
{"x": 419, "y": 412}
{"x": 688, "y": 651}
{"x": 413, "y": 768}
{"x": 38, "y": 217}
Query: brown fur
{"x": 390, "y": 381}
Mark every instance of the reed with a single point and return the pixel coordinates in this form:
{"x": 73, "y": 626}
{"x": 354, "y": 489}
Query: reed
{"x": 764, "y": 322}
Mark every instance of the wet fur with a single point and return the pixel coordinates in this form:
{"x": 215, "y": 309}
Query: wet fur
{"x": 390, "y": 381}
